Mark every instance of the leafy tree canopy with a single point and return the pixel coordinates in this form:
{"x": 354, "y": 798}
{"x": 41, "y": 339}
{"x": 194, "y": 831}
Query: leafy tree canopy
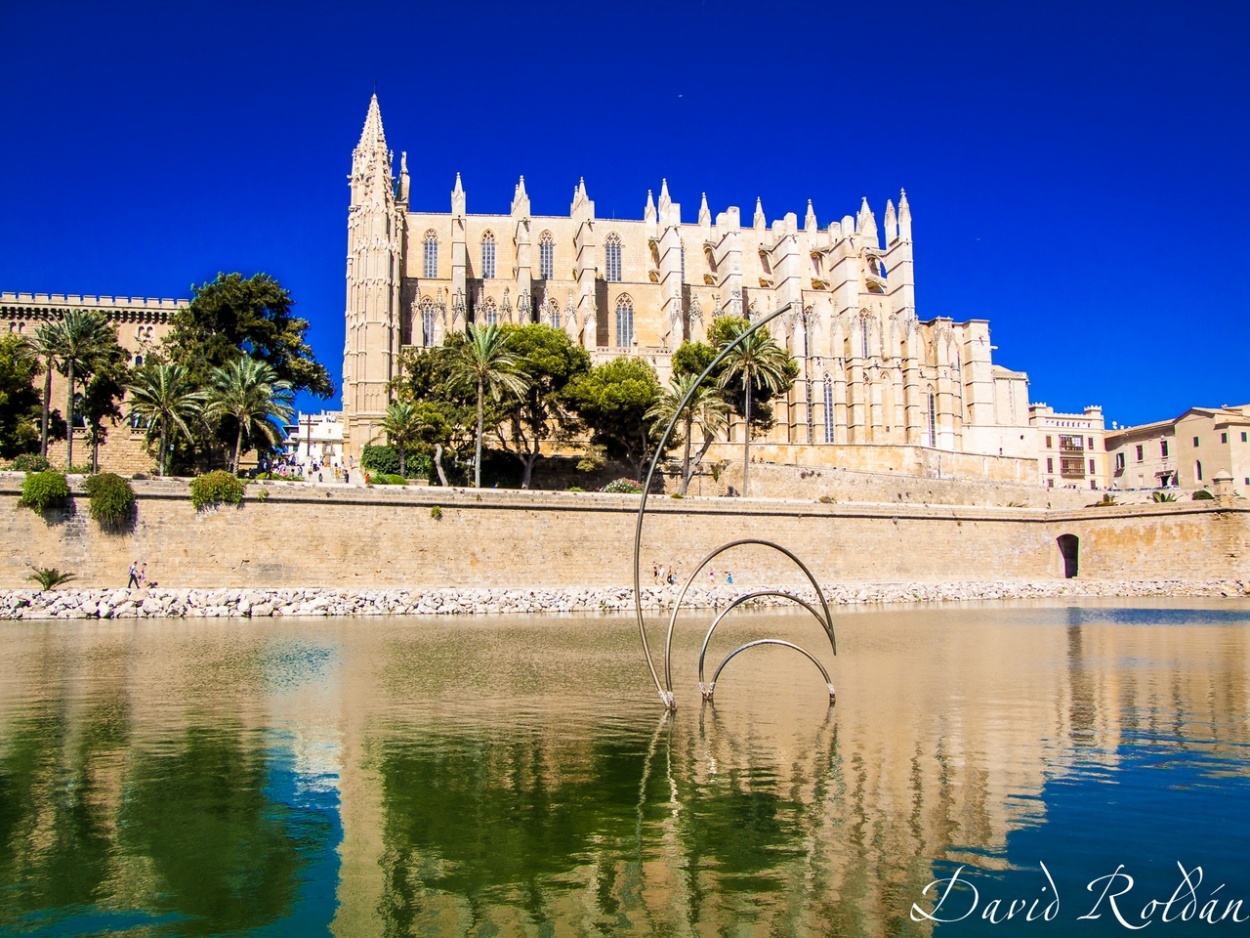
{"x": 613, "y": 400}
{"x": 232, "y": 317}
{"x": 19, "y": 401}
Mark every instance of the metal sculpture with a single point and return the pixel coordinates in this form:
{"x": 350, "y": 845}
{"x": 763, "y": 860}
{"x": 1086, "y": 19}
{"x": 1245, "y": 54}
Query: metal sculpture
{"x": 823, "y": 615}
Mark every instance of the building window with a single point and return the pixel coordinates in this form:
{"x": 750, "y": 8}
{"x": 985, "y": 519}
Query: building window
{"x": 488, "y": 255}
{"x": 1195, "y": 441}
{"x": 1198, "y": 470}
{"x": 828, "y": 409}
{"x": 1049, "y": 445}
{"x": 612, "y": 248}
{"x": 1163, "y": 448}
{"x": 1119, "y": 460}
{"x": 1223, "y": 437}
{"x": 932, "y": 419}
{"x": 624, "y": 321}
{"x": 1091, "y": 443}
{"x": 490, "y": 312}
{"x": 431, "y": 255}
{"x": 427, "y": 322}
{"x": 1091, "y": 467}
{"x": 1243, "y": 436}
{"x": 863, "y": 334}
{"x": 1140, "y": 453}
{"x": 546, "y": 255}
{"x": 1050, "y": 464}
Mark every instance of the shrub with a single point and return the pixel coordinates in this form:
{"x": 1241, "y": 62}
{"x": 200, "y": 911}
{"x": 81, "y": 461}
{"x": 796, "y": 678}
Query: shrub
{"x": 420, "y": 467}
{"x": 380, "y": 459}
{"x": 213, "y": 488}
{"x": 1104, "y": 502}
{"x": 262, "y": 495}
{"x": 623, "y": 487}
{"x": 44, "y": 490}
{"x": 575, "y": 488}
{"x": 84, "y": 470}
{"x": 1164, "y": 496}
{"x": 436, "y": 513}
{"x": 1201, "y": 495}
{"x": 827, "y": 500}
{"x": 31, "y": 462}
{"x": 676, "y": 495}
{"x": 49, "y": 577}
{"x": 112, "y": 500}
{"x": 386, "y": 478}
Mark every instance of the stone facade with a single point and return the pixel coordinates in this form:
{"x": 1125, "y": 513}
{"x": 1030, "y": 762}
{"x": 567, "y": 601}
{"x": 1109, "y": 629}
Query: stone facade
{"x": 1184, "y": 452}
{"x": 872, "y": 373}
{"x": 1071, "y": 450}
{"x": 141, "y": 325}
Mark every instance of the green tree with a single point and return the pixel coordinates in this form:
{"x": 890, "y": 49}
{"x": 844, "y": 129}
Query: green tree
{"x": 44, "y": 344}
{"x": 232, "y": 317}
{"x": 756, "y": 361}
{"x": 82, "y": 339}
{"x": 548, "y": 360}
{"x": 485, "y": 362}
{"x": 102, "y": 394}
{"x": 251, "y": 396}
{"x": 165, "y": 398}
{"x": 19, "y": 402}
{"x": 707, "y": 408}
{"x": 447, "y": 416}
{"x": 402, "y": 426}
{"x": 613, "y": 400}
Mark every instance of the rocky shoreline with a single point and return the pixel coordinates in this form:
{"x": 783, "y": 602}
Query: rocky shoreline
{"x": 254, "y": 603}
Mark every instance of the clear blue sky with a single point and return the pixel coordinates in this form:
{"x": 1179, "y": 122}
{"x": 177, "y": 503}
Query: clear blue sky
{"x": 1077, "y": 171}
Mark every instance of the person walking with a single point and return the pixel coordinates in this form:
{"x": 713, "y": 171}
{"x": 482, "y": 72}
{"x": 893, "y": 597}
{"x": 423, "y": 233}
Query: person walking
{"x": 143, "y": 576}
{"x": 134, "y": 575}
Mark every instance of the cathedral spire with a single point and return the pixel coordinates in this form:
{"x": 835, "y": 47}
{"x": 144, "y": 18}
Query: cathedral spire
{"x": 372, "y": 137}
{"x": 458, "y": 199}
{"x": 665, "y": 201}
{"x": 648, "y": 213}
{"x": 705, "y": 216}
{"x": 866, "y": 225}
{"x": 810, "y": 221}
{"x": 521, "y": 199}
{"x": 891, "y": 223}
{"x": 759, "y": 221}
{"x": 904, "y": 216}
{"x": 371, "y": 179}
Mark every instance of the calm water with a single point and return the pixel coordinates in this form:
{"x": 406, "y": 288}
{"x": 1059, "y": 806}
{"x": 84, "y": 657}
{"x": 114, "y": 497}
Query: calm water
{"x": 517, "y": 777}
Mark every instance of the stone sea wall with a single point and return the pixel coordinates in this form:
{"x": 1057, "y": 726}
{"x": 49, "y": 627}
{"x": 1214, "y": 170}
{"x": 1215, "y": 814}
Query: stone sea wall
{"x": 268, "y": 603}
{"x": 333, "y": 537}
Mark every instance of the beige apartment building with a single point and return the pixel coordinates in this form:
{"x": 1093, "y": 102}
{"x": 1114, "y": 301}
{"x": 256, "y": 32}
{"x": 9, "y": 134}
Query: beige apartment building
{"x": 1184, "y": 452}
{"x": 140, "y": 323}
{"x": 1071, "y": 452}
{"x": 873, "y": 374}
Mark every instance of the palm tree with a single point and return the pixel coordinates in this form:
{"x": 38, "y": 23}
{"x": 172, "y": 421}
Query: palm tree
{"x": 249, "y": 390}
{"x": 707, "y": 408}
{"x": 165, "y": 398}
{"x": 82, "y": 336}
{"x": 485, "y": 362}
{"x": 757, "y": 360}
{"x": 402, "y": 426}
{"x": 44, "y": 345}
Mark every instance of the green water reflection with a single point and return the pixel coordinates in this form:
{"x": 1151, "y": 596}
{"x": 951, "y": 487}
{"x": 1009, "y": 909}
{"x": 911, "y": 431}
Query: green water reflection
{"x": 506, "y": 777}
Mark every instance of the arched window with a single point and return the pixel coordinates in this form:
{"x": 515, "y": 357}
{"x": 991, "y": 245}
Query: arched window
{"x": 546, "y": 255}
{"x": 553, "y": 312}
{"x": 932, "y": 419}
{"x": 490, "y": 312}
{"x": 427, "y": 322}
{"x": 431, "y": 254}
{"x": 488, "y": 255}
{"x": 138, "y": 360}
{"x": 624, "y": 321}
{"x": 863, "y": 334}
{"x": 612, "y": 269}
{"x": 828, "y": 409}
{"x": 1198, "y": 470}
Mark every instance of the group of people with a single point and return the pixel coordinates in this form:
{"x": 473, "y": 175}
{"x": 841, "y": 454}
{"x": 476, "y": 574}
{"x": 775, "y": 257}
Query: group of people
{"x": 668, "y": 575}
{"x": 138, "y": 575}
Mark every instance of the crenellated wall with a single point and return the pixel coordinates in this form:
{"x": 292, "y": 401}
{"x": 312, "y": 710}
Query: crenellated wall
{"x": 327, "y": 535}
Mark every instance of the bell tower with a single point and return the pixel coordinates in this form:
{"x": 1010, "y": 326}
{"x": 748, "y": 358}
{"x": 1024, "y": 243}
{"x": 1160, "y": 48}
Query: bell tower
{"x": 375, "y": 243}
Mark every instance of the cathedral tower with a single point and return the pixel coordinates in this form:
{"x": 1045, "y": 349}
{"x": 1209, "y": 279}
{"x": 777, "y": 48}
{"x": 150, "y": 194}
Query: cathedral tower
{"x": 375, "y": 233}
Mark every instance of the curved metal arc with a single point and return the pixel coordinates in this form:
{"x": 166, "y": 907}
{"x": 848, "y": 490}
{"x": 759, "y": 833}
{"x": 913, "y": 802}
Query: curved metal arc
{"x": 772, "y": 641}
{"x": 826, "y": 620}
{"x": 738, "y": 602}
{"x": 666, "y": 696}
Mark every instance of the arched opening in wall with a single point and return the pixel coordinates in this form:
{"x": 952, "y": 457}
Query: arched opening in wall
{"x": 1069, "y": 550}
{"x": 1198, "y": 470}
